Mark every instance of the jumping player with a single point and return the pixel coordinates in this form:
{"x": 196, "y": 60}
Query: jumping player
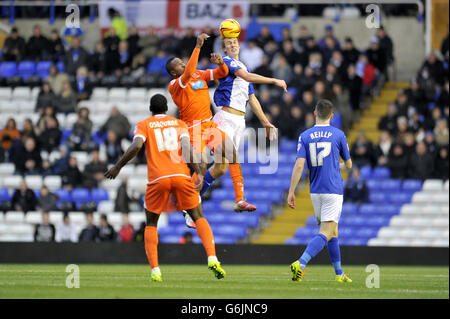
{"x": 321, "y": 146}
{"x": 232, "y": 95}
{"x": 190, "y": 93}
{"x": 168, "y": 174}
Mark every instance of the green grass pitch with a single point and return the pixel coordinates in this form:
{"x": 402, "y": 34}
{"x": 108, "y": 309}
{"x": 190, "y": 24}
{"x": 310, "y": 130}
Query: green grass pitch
{"x": 197, "y": 282}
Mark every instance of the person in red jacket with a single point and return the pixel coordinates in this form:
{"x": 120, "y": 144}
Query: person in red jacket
{"x": 126, "y": 231}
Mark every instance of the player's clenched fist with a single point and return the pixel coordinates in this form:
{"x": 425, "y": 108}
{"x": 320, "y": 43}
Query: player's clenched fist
{"x": 200, "y": 39}
{"x": 216, "y": 58}
{"x": 112, "y": 172}
{"x": 291, "y": 200}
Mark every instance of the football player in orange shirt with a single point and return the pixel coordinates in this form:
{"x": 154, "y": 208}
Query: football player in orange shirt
{"x": 168, "y": 173}
{"x": 190, "y": 93}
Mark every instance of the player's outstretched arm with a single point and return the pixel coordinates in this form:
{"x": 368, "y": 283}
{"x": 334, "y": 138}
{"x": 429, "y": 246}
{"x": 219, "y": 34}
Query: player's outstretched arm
{"x": 259, "y": 79}
{"x": 296, "y": 175}
{"x": 191, "y": 66}
{"x": 220, "y": 72}
{"x": 131, "y": 152}
{"x": 271, "y": 130}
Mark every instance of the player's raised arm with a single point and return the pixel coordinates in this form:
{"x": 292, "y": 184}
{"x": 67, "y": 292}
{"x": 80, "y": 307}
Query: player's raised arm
{"x": 131, "y": 152}
{"x": 296, "y": 175}
{"x": 271, "y": 130}
{"x": 191, "y": 66}
{"x": 259, "y": 79}
{"x": 220, "y": 72}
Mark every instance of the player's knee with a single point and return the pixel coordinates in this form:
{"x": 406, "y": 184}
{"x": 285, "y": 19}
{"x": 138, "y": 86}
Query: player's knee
{"x": 195, "y": 213}
{"x": 151, "y": 219}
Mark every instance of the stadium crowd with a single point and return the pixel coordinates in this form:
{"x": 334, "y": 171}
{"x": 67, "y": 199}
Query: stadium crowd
{"x": 414, "y": 139}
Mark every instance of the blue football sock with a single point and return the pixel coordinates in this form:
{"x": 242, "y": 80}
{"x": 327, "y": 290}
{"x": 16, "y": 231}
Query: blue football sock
{"x": 314, "y": 247}
{"x": 335, "y": 255}
{"x": 207, "y": 182}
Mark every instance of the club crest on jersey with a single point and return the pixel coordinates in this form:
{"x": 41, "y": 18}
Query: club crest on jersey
{"x": 197, "y": 85}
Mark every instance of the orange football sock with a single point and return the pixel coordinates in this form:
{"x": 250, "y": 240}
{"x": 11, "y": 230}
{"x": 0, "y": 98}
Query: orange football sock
{"x": 151, "y": 245}
{"x": 205, "y": 233}
{"x": 238, "y": 181}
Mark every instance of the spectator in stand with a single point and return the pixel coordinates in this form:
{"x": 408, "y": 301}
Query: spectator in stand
{"x": 111, "y": 40}
{"x": 126, "y": 232}
{"x": 281, "y": 68}
{"x": 118, "y": 61}
{"x": 301, "y": 40}
{"x": 431, "y": 121}
{"x": 353, "y": 82}
{"x": 289, "y": 52}
{"x": 389, "y": 121}
{"x": 67, "y": 100}
{"x": 93, "y": 172}
{"x": 47, "y": 201}
{"x": 97, "y": 61}
{"x": 416, "y": 97}
{"x": 82, "y": 87}
{"x": 50, "y": 138}
{"x": 421, "y": 164}
{"x": 118, "y": 123}
{"x": 133, "y": 40}
{"x": 122, "y": 202}
{"x": 56, "y": 79}
{"x": 66, "y": 231}
{"x": 80, "y": 139}
{"x": 56, "y": 46}
{"x": 311, "y": 48}
{"x": 90, "y": 232}
{"x": 14, "y": 46}
{"x": 386, "y": 45}
{"x": 367, "y": 72}
{"x": 112, "y": 148}
{"x": 276, "y": 115}
{"x": 24, "y": 199}
{"x": 307, "y": 81}
{"x": 45, "y": 97}
{"x": 329, "y": 34}
{"x": 377, "y": 56}
{"x": 356, "y": 190}
{"x": 397, "y": 162}
{"x": 72, "y": 177}
{"x": 327, "y": 51}
{"x": 443, "y": 99}
{"x": 48, "y": 113}
{"x": 350, "y": 53}
{"x": 297, "y": 76}
{"x": 264, "y": 69}
{"x": 106, "y": 231}
{"x": 208, "y": 46}
{"x": 308, "y": 102}
{"x": 341, "y": 102}
{"x": 402, "y": 104}
{"x": 46, "y": 168}
{"x": 321, "y": 91}
{"x": 292, "y": 128}
{"x": 383, "y": 148}
{"x": 37, "y": 46}
{"x": 45, "y": 231}
{"x": 62, "y": 163}
{"x": 362, "y": 151}
{"x": 118, "y": 23}
{"x": 441, "y": 132}
{"x": 28, "y": 159}
{"x": 434, "y": 69}
{"x": 75, "y": 57}
{"x": 441, "y": 164}
{"x": 264, "y": 37}
{"x": 338, "y": 61}
{"x": 251, "y": 55}
{"x": 149, "y": 43}
{"x": 271, "y": 49}
{"x": 3, "y": 155}
{"x": 187, "y": 43}
{"x": 9, "y": 133}
{"x": 286, "y": 35}
{"x": 139, "y": 234}
{"x": 169, "y": 43}
{"x": 28, "y": 129}
{"x": 330, "y": 76}
{"x": 409, "y": 143}
{"x": 139, "y": 66}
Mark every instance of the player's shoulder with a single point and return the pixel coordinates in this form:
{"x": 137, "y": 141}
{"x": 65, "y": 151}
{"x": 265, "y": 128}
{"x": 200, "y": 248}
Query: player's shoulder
{"x": 337, "y": 131}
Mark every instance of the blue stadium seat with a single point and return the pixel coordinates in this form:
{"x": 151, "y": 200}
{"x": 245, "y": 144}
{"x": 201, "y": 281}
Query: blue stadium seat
{"x": 241, "y": 219}
{"x": 8, "y": 69}
{"x": 378, "y": 197}
{"x": 353, "y": 221}
{"x": 378, "y": 221}
{"x": 367, "y": 232}
{"x": 157, "y": 65}
{"x": 297, "y": 241}
{"x": 306, "y": 232}
{"x": 42, "y": 69}
{"x": 414, "y": 185}
{"x": 99, "y": 194}
{"x": 169, "y": 239}
{"x": 353, "y": 242}
{"x": 4, "y": 195}
{"x": 373, "y": 184}
{"x": 81, "y": 195}
{"x": 365, "y": 172}
{"x": 349, "y": 208}
{"x": 311, "y": 221}
{"x": 65, "y": 135}
{"x": 391, "y": 185}
{"x": 176, "y": 218}
{"x": 26, "y": 69}
{"x": 392, "y": 209}
{"x": 368, "y": 209}
{"x": 400, "y": 197}
{"x": 346, "y": 231}
{"x": 381, "y": 172}
{"x": 60, "y": 66}
{"x": 63, "y": 195}
{"x": 288, "y": 146}
{"x": 230, "y": 230}
{"x": 218, "y": 219}
{"x": 219, "y": 240}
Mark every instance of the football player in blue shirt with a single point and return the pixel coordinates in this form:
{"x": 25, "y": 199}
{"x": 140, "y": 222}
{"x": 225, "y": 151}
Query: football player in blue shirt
{"x": 320, "y": 147}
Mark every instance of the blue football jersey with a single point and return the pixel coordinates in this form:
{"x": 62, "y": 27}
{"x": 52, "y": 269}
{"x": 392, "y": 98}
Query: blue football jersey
{"x": 233, "y": 91}
{"x": 321, "y": 146}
